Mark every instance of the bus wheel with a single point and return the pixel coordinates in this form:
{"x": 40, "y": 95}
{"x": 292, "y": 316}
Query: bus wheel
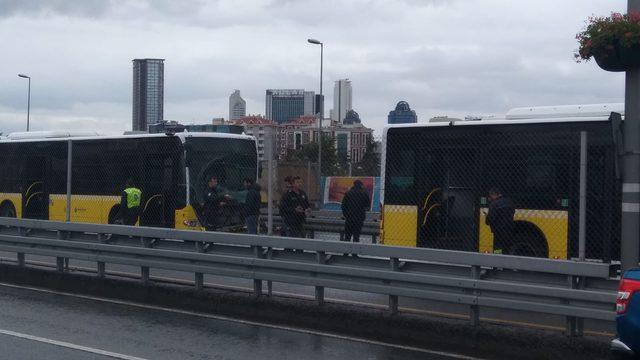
{"x": 7, "y": 210}
{"x": 530, "y": 244}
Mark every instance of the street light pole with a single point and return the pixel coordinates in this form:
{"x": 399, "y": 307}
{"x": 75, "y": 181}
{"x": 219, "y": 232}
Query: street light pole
{"x": 630, "y": 247}
{"x": 316, "y": 42}
{"x": 28, "y": 97}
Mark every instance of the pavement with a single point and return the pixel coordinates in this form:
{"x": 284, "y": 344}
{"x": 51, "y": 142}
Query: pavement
{"x": 47, "y": 324}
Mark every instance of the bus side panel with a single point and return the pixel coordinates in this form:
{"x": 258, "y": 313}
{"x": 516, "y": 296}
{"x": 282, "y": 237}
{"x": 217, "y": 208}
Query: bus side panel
{"x": 15, "y": 199}
{"x": 58, "y": 207}
{"x": 485, "y": 236}
{"x": 400, "y": 225}
{"x": 92, "y": 208}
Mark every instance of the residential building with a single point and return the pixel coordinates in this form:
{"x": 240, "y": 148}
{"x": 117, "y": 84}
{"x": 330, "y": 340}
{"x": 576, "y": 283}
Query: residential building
{"x": 237, "y": 106}
{"x": 350, "y": 139}
{"x": 264, "y": 130}
{"x": 282, "y": 105}
{"x": 148, "y": 93}
{"x": 402, "y": 114}
{"x": 341, "y": 100}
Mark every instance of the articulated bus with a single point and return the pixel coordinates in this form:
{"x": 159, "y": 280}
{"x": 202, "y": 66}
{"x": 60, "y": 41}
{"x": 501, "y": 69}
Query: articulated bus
{"x": 436, "y": 177}
{"x": 172, "y": 170}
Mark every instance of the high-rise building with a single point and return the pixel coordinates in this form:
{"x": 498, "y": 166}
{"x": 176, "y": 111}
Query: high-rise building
{"x": 341, "y": 100}
{"x": 282, "y": 105}
{"x": 237, "y": 106}
{"x": 148, "y": 93}
{"x": 402, "y": 114}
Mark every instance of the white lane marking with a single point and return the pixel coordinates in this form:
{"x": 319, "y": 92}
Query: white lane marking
{"x": 69, "y": 345}
{"x": 244, "y": 322}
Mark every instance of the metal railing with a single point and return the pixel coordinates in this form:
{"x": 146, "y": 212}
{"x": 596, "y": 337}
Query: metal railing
{"x": 472, "y": 279}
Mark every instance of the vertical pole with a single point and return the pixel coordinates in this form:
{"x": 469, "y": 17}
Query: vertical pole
{"x": 257, "y": 283}
{"x": 28, "y": 103}
{"x": 320, "y": 289}
{"x": 69, "y": 164}
{"x": 474, "y": 310}
{"x": 269, "y": 152}
{"x": 320, "y": 131}
{"x": 629, "y": 247}
{"x": 582, "y": 216}
{"x": 393, "y": 299}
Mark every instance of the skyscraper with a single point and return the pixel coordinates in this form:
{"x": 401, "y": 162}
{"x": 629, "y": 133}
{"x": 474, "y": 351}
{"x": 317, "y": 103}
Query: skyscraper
{"x": 148, "y": 93}
{"x": 402, "y": 114}
{"x": 341, "y": 100}
{"x": 282, "y": 105}
{"x": 237, "y": 106}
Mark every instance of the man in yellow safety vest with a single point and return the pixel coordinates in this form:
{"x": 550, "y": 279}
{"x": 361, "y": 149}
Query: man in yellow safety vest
{"x": 130, "y": 203}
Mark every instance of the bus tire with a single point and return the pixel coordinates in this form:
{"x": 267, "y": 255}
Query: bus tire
{"x": 7, "y": 210}
{"x": 529, "y": 241}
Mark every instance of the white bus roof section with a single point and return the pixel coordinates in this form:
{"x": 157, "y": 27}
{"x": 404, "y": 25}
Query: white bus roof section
{"x": 41, "y": 136}
{"x": 50, "y": 134}
{"x": 564, "y": 111}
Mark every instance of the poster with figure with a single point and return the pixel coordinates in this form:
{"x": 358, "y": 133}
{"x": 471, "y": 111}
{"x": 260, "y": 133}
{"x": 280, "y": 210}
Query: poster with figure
{"x": 335, "y": 187}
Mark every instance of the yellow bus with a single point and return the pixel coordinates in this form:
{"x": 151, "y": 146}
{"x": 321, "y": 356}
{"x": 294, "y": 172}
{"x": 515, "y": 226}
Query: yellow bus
{"x": 436, "y": 176}
{"x": 172, "y": 170}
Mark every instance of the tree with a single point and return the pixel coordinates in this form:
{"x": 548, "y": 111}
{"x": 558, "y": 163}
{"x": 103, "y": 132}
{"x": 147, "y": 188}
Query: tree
{"x": 370, "y": 163}
{"x": 310, "y": 152}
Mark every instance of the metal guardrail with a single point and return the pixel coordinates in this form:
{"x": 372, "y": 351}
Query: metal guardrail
{"x": 477, "y": 280}
{"x": 334, "y": 225}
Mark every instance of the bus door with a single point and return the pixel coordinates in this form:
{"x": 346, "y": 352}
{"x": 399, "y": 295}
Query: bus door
{"x": 448, "y": 209}
{"x": 35, "y": 197}
{"x": 156, "y": 188}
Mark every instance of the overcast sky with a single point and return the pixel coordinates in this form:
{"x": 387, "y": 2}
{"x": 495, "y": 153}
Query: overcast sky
{"x": 455, "y": 57}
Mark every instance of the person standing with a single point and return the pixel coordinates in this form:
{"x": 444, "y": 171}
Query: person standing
{"x": 295, "y": 206}
{"x": 130, "y": 203}
{"x": 213, "y": 203}
{"x": 252, "y": 205}
{"x": 500, "y": 220}
{"x": 355, "y": 204}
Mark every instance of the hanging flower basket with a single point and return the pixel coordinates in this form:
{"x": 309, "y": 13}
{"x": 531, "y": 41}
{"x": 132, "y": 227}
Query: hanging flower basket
{"x": 613, "y": 41}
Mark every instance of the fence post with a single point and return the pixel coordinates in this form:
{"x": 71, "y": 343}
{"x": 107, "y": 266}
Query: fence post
{"x": 199, "y": 277}
{"x": 257, "y": 283}
{"x": 269, "y": 153}
{"x": 474, "y": 310}
{"x": 575, "y": 326}
{"x": 144, "y": 270}
{"x": 393, "y": 299}
{"x": 320, "y": 289}
{"x": 582, "y": 217}
{"x": 60, "y": 260}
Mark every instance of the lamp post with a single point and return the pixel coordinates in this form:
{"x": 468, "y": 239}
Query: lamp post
{"x": 28, "y": 97}
{"x": 316, "y": 42}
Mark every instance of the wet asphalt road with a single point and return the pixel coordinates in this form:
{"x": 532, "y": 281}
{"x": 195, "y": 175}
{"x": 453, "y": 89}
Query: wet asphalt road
{"x": 130, "y": 332}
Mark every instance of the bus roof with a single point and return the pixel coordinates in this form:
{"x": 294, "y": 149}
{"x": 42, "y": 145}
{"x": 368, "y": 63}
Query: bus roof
{"x": 534, "y": 115}
{"x": 66, "y": 135}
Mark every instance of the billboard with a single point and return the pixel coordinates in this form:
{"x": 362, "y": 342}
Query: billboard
{"x": 334, "y": 188}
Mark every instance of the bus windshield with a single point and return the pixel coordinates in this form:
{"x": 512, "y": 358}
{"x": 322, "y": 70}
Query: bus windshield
{"x": 230, "y": 160}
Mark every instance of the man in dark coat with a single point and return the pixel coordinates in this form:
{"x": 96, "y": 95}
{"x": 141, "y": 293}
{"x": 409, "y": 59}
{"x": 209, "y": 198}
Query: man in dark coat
{"x": 500, "y": 220}
{"x": 252, "y": 206}
{"x": 355, "y": 204}
{"x": 213, "y": 203}
{"x": 295, "y": 208}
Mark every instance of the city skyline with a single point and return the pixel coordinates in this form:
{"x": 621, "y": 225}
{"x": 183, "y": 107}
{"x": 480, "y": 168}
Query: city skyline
{"x": 442, "y": 58}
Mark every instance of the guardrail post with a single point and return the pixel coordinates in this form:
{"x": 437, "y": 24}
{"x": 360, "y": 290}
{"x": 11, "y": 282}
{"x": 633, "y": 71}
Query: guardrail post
{"x": 374, "y": 239}
{"x": 60, "y": 261}
{"x": 575, "y": 326}
{"x": 101, "y": 265}
{"x": 269, "y": 282}
{"x": 393, "y": 299}
{"x": 199, "y": 277}
{"x": 144, "y": 270}
{"x": 257, "y": 283}
{"x": 21, "y": 260}
{"x": 320, "y": 289}
{"x": 474, "y": 311}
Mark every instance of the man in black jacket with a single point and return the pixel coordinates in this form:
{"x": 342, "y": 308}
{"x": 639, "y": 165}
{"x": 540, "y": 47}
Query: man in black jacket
{"x": 355, "y": 204}
{"x": 213, "y": 203}
{"x": 500, "y": 220}
{"x": 294, "y": 209}
{"x": 252, "y": 206}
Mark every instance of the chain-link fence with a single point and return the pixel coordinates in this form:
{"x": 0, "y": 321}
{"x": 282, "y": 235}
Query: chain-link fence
{"x": 535, "y": 189}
